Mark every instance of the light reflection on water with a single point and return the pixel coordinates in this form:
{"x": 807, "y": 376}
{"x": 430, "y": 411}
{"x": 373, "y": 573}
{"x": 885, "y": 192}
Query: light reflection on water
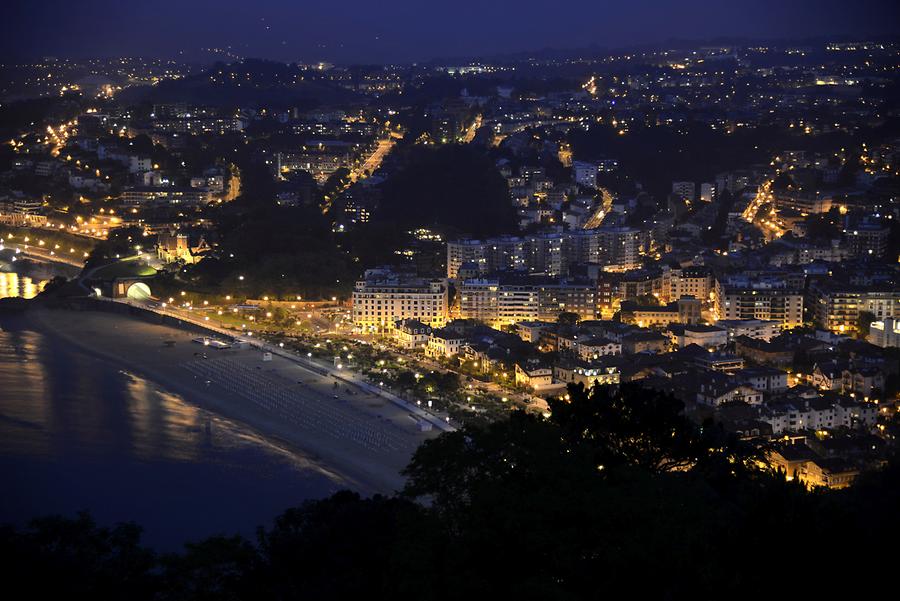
{"x": 76, "y": 434}
{"x": 14, "y": 285}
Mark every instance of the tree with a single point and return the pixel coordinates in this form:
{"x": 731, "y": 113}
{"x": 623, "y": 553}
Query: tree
{"x": 119, "y": 244}
{"x": 406, "y": 380}
{"x": 59, "y": 557}
{"x": 447, "y": 383}
{"x": 280, "y": 316}
{"x": 643, "y": 428}
{"x": 584, "y": 501}
{"x": 567, "y": 318}
{"x": 220, "y": 568}
{"x": 342, "y": 547}
{"x": 648, "y": 300}
{"x": 453, "y": 186}
{"x": 863, "y": 322}
{"x": 617, "y": 494}
{"x": 278, "y": 251}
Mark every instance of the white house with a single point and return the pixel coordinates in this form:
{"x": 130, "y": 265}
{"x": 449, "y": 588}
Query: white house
{"x": 443, "y": 343}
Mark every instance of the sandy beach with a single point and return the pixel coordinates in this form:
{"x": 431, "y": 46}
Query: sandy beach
{"x": 357, "y": 436}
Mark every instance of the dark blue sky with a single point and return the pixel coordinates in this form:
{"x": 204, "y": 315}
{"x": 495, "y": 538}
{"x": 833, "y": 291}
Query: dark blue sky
{"x": 411, "y": 30}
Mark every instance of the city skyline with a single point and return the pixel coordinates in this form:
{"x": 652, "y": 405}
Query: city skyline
{"x": 426, "y": 301}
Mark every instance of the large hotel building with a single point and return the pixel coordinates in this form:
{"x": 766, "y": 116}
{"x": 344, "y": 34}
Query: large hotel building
{"x": 384, "y": 297}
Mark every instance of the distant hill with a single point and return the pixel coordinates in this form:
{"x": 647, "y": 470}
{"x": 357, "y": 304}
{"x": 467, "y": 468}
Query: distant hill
{"x": 597, "y": 51}
{"x": 249, "y": 83}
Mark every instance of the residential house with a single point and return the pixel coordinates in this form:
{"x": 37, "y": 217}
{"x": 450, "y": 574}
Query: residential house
{"x": 411, "y": 334}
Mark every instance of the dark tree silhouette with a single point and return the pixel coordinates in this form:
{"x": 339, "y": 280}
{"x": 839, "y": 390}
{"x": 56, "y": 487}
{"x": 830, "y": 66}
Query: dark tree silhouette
{"x": 567, "y": 318}
{"x": 453, "y": 186}
{"x": 616, "y": 495}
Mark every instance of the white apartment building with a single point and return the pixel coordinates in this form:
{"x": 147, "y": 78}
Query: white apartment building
{"x": 411, "y": 334}
{"x": 500, "y": 302}
{"x": 837, "y": 307}
{"x": 752, "y": 328}
{"x": 443, "y": 344}
{"x": 595, "y": 348}
{"x": 780, "y": 305}
{"x": 684, "y": 189}
{"x": 507, "y": 253}
{"x": 818, "y": 414}
{"x": 585, "y": 173}
{"x": 163, "y": 195}
{"x": 885, "y": 333}
{"x": 382, "y": 298}
{"x": 138, "y": 164}
{"x": 621, "y": 247}
{"x": 487, "y": 301}
{"x": 551, "y": 254}
{"x": 708, "y": 337}
{"x": 767, "y": 379}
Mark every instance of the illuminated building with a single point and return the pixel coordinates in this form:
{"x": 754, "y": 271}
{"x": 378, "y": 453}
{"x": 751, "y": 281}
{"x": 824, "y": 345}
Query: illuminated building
{"x": 509, "y": 299}
{"x": 885, "y": 333}
{"x": 384, "y": 297}
{"x": 837, "y": 307}
{"x": 784, "y": 306}
{"x": 685, "y": 310}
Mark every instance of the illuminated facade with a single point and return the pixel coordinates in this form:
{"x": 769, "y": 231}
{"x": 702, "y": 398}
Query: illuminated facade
{"x": 837, "y": 308}
{"x": 781, "y": 305}
{"x": 505, "y": 302}
{"x": 383, "y": 298}
{"x": 885, "y": 333}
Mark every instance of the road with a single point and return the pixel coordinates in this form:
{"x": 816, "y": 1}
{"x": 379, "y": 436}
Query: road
{"x": 522, "y": 400}
{"x": 472, "y": 129}
{"x": 44, "y": 255}
{"x": 373, "y": 161}
{"x": 768, "y": 223}
{"x": 422, "y": 363}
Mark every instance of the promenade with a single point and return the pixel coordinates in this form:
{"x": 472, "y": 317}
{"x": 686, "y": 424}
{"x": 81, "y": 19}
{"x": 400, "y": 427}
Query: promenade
{"x": 346, "y": 376}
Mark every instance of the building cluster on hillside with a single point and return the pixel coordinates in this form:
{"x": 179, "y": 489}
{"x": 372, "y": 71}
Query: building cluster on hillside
{"x": 773, "y": 311}
{"x": 143, "y": 164}
{"x": 762, "y": 287}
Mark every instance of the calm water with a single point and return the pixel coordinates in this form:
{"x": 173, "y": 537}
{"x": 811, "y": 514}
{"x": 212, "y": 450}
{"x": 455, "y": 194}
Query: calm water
{"x": 76, "y": 434}
{"x": 24, "y": 277}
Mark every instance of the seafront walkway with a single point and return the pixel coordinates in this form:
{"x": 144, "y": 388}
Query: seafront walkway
{"x": 346, "y": 376}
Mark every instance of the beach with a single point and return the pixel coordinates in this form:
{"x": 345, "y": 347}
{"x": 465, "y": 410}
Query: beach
{"x": 361, "y": 439}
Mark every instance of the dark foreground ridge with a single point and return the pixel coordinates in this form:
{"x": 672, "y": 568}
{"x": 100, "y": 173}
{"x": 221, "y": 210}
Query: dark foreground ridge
{"x": 617, "y": 494}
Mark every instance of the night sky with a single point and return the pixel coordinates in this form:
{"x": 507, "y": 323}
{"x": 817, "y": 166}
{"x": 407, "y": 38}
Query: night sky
{"x": 410, "y": 30}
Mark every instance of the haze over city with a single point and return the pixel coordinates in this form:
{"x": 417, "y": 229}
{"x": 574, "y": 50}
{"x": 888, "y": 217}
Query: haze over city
{"x": 405, "y": 31}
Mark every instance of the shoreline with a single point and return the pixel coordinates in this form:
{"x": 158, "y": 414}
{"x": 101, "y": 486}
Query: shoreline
{"x": 142, "y": 348}
{"x": 54, "y": 261}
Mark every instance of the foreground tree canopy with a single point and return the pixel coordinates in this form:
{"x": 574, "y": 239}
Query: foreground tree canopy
{"x": 617, "y": 494}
